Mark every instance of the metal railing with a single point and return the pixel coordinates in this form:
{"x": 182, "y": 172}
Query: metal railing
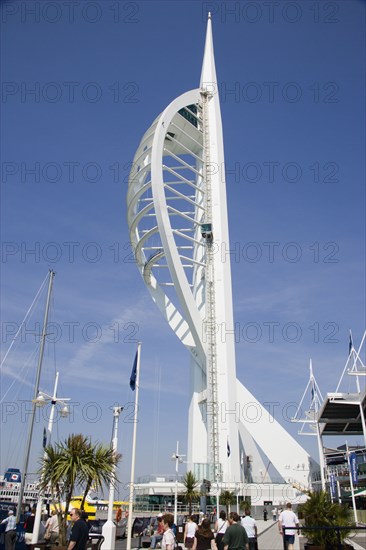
{"x": 336, "y": 528}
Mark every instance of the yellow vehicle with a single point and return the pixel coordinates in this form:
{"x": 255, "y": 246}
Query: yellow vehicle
{"x": 94, "y": 505}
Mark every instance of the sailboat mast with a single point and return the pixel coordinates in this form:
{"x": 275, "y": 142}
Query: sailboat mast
{"x": 36, "y": 390}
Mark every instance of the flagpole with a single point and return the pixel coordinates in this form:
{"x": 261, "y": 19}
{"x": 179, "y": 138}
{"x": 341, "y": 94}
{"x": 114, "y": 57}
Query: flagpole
{"x": 133, "y": 457}
{"x": 217, "y": 498}
{"x": 351, "y": 483}
{"x": 318, "y": 434}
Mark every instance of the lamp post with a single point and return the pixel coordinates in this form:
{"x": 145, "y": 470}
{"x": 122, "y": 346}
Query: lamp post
{"x": 109, "y": 528}
{"x": 217, "y": 497}
{"x": 178, "y": 460}
{"x": 41, "y": 400}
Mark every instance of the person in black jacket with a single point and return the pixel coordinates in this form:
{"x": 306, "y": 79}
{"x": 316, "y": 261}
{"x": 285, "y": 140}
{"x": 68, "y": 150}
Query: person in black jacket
{"x": 79, "y": 532}
{"x": 28, "y": 527}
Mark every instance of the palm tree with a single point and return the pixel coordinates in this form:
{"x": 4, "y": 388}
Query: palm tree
{"x": 245, "y": 505}
{"x": 99, "y": 468}
{"x": 227, "y": 498}
{"x": 191, "y": 493}
{"x": 320, "y": 511}
{"x": 70, "y": 463}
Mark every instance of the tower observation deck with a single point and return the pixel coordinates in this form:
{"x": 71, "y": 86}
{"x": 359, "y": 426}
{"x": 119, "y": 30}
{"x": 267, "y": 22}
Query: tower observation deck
{"x": 177, "y": 216}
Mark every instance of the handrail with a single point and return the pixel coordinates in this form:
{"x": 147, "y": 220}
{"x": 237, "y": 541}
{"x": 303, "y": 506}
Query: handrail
{"x": 337, "y": 528}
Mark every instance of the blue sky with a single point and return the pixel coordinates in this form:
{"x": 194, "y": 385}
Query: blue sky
{"x": 292, "y": 86}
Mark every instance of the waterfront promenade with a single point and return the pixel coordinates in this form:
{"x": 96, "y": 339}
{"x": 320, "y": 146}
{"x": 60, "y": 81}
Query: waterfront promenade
{"x": 268, "y": 539}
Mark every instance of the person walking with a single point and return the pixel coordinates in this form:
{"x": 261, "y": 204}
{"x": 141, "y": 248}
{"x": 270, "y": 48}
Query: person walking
{"x": 79, "y": 532}
{"x": 236, "y": 537}
{"x": 274, "y": 514}
{"x": 204, "y": 538}
{"x": 189, "y": 532}
{"x": 168, "y": 540}
{"x": 28, "y": 527}
{"x": 288, "y": 519}
{"x": 10, "y": 530}
{"x": 220, "y": 529}
{"x": 250, "y": 526}
{"x": 52, "y": 528}
{"x": 265, "y": 514}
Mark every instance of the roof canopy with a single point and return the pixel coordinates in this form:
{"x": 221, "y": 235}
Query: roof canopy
{"x": 341, "y": 414}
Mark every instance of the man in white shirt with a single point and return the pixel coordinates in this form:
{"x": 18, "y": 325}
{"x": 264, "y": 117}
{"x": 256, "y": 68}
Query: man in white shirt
{"x": 288, "y": 519}
{"x": 250, "y": 526}
{"x": 10, "y": 531}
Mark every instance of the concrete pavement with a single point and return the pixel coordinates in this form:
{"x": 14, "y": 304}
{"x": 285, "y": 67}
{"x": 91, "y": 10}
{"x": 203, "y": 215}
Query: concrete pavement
{"x": 268, "y": 538}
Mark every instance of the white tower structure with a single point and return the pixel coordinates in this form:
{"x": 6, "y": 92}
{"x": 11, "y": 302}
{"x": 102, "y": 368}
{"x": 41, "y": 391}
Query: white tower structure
{"x": 177, "y": 215}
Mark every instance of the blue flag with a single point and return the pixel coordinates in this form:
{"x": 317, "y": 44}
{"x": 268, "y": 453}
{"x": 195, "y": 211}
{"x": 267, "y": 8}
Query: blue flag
{"x": 133, "y": 374}
{"x": 332, "y": 485}
{"x": 44, "y": 438}
{"x": 353, "y": 467}
{"x": 350, "y": 345}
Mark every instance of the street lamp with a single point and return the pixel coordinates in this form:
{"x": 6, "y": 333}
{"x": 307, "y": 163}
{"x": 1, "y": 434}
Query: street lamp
{"x": 41, "y": 400}
{"x": 237, "y": 490}
{"x": 109, "y": 528}
{"x": 178, "y": 460}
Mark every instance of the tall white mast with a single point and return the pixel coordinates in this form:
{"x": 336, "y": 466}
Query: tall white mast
{"x": 36, "y": 390}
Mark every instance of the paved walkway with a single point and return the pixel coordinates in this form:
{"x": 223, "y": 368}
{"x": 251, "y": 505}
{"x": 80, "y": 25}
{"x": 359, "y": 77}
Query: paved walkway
{"x": 269, "y": 537}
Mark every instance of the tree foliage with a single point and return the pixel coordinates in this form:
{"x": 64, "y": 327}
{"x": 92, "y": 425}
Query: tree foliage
{"x": 72, "y": 463}
{"x": 227, "y": 498}
{"x": 320, "y": 511}
{"x": 191, "y": 493}
{"x": 245, "y": 505}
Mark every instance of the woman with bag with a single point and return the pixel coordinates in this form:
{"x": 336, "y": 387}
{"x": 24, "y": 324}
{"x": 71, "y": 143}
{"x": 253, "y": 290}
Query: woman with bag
{"x": 220, "y": 528}
{"x": 189, "y": 532}
{"x": 204, "y": 538}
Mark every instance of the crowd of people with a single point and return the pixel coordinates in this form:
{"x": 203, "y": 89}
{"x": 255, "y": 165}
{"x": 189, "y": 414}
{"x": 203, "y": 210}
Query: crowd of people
{"x": 78, "y": 536}
{"x": 229, "y": 533}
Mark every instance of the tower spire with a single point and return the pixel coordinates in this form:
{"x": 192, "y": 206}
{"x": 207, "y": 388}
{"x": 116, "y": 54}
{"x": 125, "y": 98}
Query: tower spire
{"x": 208, "y": 73}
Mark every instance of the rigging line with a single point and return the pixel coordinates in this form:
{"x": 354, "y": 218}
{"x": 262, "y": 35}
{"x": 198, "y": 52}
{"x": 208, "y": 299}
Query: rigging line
{"x": 19, "y": 377}
{"x": 18, "y": 431}
{"x": 15, "y": 447}
{"x": 157, "y": 412}
{"x": 24, "y": 320}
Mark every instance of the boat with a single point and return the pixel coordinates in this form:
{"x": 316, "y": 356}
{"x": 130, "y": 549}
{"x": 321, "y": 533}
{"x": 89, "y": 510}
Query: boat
{"x": 10, "y": 484}
{"x": 97, "y": 508}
